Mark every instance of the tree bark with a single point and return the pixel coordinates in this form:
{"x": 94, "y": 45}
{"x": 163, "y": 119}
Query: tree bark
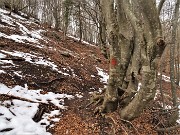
{"x": 111, "y": 95}
{"x": 160, "y": 6}
{"x": 133, "y": 55}
{"x": 172, "y": 48}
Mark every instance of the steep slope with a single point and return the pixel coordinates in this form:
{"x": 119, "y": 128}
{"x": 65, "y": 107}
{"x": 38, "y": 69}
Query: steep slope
{"x": 40, "y": 70}
{"x": 45, "y": 84}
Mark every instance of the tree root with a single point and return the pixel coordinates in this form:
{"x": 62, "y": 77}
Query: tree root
{"x": 95, "y": 99}
{"x": 103, "y": 102}
{"x": 109, "y": 105}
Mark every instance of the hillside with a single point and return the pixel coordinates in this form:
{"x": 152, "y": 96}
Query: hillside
{"x": 46, "y": 82}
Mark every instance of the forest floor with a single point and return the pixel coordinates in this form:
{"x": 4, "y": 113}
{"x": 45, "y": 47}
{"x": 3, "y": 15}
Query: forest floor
{"x": 37, "y": 56}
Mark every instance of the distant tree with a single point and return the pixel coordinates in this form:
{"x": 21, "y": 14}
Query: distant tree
{"x": 67, "y": 6}
{"x": 178, "y": 65}
{"x": 14, "y": 5}
{"x": 172, "y": 50}
{"x": 175, "y": 114}
{"x": 57, "y": 9}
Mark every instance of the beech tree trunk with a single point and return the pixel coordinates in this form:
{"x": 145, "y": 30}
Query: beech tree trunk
{"x": 172, "y": 50}
{"x": 67, "y": 9}
{"x": 136, "y": 45}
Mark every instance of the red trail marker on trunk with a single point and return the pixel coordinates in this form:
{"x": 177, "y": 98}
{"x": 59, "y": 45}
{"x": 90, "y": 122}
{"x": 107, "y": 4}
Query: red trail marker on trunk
{"x": 113, "y": 61}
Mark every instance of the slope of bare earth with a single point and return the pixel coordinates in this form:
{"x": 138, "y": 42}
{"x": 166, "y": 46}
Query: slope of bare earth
{"x": 39, "y": 58}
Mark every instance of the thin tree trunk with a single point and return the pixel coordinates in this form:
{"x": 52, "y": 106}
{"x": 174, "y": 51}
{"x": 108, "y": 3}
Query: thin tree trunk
{"x": 172, "y": 48}
{"x": 178, "y": 69}
{"x": 80, "y": 21}
{"x": 102, "y": 36}
{"x": 178, "y": 59}
{"x": 66, "y": 4}
{"x": 160, "y": 6}
{"x": 160, "y": 83}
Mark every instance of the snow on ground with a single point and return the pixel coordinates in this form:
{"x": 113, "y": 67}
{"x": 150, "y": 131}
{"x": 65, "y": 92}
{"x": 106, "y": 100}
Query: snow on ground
{"x": 5, "y": 61}
{"x": 165, "y": 78}
{"x": 104, "y": 76}
{"x": 32, "y": 36}
{"x": 17, "y": 114}
{"x": 2, "y": 71}
{"x": 2, "y": 55}
{"x": 139, "y": 86}
{"x": 22, "y": 38}
{"x": 12, "y": 14}
{"x": 31, "y": 59}
{"x": 77, "y": 39}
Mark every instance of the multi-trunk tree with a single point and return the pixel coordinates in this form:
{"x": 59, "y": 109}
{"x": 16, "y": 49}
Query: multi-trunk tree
{"x": 135, "y": 40}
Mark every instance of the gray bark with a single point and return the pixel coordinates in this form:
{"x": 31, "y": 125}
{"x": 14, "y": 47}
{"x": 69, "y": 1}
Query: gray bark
{"x": 172, "y": 48}
{"x": 136, "y": 47}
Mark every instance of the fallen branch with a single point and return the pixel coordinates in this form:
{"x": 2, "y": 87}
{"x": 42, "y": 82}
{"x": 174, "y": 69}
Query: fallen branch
{"x": 3, "y": 97}
{"x": 13, "y": 59}
{"x": 164, "y": 111}
{"x": 38, "y": 116}
{"x": 123, "y": 128}
{"x": 168, "y": 128}
{"x": 65, "y": 54}
{"x": 12, "y": 112}
{"x": 6, "y": 129}
{"x": 131, "y": 125}
{"x": 20, "y": 98}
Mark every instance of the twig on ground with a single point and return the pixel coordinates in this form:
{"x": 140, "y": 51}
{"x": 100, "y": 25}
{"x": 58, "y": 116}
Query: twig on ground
{"x": 20, "y": 98}
{"x": 168, "y": 128}
{"x": 131, "y": 125}
{"x": 13, "y": 59}
{"x": 3, "y": 97}
{"x": 122, "y": 126}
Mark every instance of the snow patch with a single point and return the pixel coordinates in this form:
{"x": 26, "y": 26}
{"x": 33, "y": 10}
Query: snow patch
{"x": 104, "y": 76}
{"x": 33, "y": 59}
{"x": 4, "y": 61}
{"x": 32, "y": 36}
{"x": 92, "y": 76}
{"x": 79, "y": 95}
{"x": 2, "y": 55}
{"x": 165, "y": 78}
{"x": 8, "y": 20}
{"x": 139, "y": 86}
{"x": 18, "y": 73}
{"x": 17, "y": 114}
{"x": 4, "y": 11}
{"x": 77, "y": 39}
{"x": 2, "y": 72}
